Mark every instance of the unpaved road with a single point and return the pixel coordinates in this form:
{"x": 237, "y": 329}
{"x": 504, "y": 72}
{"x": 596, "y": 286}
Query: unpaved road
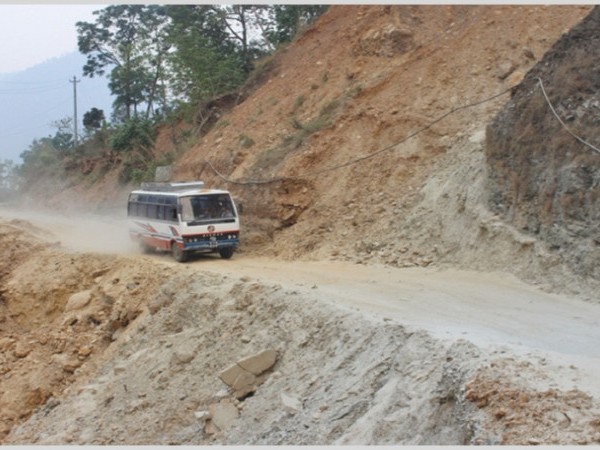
{"x": 489, "y": 309}
{"x": 427, "y": 355}
{"x": 492, "y": 310}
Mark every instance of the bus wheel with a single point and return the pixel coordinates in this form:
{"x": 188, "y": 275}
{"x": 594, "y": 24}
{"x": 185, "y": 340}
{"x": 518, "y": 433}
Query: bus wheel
{"x": 145, "y": 248}
{"x": 226, "y": 252}
{"x": 178, "y": 253}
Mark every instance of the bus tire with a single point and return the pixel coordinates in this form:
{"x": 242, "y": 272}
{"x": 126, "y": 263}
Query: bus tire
{"x": 178, "y": 254}
{"x": 145, "y": 248}
{"x": 226, "y": 252}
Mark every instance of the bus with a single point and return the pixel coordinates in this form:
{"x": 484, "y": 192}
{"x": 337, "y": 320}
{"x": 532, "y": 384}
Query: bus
{"x": 183, "y": 218}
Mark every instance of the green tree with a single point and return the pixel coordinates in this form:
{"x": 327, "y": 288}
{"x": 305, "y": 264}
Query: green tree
{"x": 288, "y": 20}
{"x": 9, "y": 180}
{"x": 239, "y": 21}
{"x": 130, "y": 40}
{"x": 135, "y": 136}
{"x": 63, "y": 140}
{"x": 39, "y": 159}
{"x": 93, "y": 119}
{"x": 206, "y": 61}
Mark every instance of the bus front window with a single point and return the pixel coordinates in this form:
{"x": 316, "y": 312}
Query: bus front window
{"x": 204, "y": 208}
{"x": 187, "y": 213}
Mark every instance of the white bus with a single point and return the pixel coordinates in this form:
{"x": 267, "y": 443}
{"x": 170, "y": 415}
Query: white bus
{"x": 183, "y": 218}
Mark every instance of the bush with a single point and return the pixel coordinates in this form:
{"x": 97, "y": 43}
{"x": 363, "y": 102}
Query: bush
{"x": 135, "y": 134}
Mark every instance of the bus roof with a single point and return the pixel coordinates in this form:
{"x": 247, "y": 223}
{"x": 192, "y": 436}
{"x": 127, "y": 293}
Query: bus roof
{"x": 168, "y": 186}
{"x": 181, "y": 193}
{"x": 177, "y": 188}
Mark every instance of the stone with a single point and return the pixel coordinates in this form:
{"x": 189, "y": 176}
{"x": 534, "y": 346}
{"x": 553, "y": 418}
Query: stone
{"x": 504, "y": 69}
{"x": 260, "y": 362}
{"x": 244, "y": 382}
{"x": 78, "y": 300}
{"x": 84, "y": 351}
{"x": 290, "y": 403}
{"x": 66, "y": 362}
{"x": 202, "y": 415}
{"x": 229, "y": 375}
{"x": 22, "y": 350}
{"x": 240, "y": 380}
{"x": 223, "y": 414}
{"x": 182, "y": 357}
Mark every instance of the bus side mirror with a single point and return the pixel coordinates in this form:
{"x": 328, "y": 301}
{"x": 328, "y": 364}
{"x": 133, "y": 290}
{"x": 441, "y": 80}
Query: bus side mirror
{"x": 240, "y": 206}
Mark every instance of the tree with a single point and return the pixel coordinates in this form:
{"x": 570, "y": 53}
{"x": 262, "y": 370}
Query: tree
{"x": 63, "y": 139}
{"x": 93, "y": 119}
{"x": 9, "y": 179}
{"x": 206, "y": 61}
{"x": 240, "y": 20}
{"x": 290, "y": 19}
{"x": 131, "y": 40}
{"x": 40, "y": 158}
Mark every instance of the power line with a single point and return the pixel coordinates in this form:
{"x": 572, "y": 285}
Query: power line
{"x": 360, "y": 158}
{"x": 560, "y": 120}
{"x": 33, "y": 90}
{"x": 392, "y": 146}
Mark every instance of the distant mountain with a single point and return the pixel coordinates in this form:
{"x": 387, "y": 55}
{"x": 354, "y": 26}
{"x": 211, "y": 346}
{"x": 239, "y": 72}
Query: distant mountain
{"x": 32, "y": 99}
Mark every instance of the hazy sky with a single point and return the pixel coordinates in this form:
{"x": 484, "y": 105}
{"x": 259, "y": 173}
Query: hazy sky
{"x": 31, "y": 34}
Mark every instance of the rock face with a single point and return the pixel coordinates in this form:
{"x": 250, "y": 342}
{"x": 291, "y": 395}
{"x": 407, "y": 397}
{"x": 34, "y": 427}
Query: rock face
{"x": 542, "y": 178}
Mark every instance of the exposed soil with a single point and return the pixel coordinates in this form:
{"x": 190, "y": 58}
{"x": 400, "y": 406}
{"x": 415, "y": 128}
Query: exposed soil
{"x": 100, "y": 348}
{"x": 384, "y": 302}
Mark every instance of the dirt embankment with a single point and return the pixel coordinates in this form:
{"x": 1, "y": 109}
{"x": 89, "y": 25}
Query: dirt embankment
{"x": 394, "y": 195}
{"x": 106, "y": 349}
{"x": 544, "y": 175}
{"x": 360, "y": 84}
{"x": 131, "y": 349}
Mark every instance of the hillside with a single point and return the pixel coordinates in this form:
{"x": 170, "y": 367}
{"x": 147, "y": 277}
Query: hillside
{"x": 544, "y": 176}
{"x": 418, "y": 263}
{"x": 358, "y": 87}
{"x": 364, "y": 141}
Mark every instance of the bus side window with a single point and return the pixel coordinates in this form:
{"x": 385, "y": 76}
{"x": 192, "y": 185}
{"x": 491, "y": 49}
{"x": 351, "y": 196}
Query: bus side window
{"x": 133, "y": 209}
{"x": 171, "y": 213}
{"x": 152, "y": 213}
{"x": 161, "y": 212}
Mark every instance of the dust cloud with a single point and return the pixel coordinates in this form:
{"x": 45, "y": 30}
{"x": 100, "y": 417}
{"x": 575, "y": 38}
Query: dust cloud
{"x": 76, "y": 231}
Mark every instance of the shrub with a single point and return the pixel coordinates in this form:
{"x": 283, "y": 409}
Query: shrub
{"x": 135, "y": 134}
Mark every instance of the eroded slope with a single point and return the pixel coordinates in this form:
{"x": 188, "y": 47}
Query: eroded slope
{"x": 132, "y": 350}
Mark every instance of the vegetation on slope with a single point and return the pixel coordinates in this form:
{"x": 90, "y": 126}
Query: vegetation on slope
{"x": 162, "y": 62}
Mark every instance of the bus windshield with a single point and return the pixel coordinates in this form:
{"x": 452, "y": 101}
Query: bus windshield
{"x": 206, "y": 208}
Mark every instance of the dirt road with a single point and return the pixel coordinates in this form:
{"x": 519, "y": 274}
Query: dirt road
{"x": 369, "y": 354}
{"x": 489, "y": 309}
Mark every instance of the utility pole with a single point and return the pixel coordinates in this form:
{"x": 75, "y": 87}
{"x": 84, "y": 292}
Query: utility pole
{"x": 75, "y": 81}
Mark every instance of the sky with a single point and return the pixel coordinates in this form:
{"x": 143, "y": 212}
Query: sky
{"x": 37, "y": 44}
{"x": 33, "y": 33}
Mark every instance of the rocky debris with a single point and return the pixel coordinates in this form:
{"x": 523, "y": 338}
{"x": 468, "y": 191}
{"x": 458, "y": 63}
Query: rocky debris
{"x": 245, "y": 375}
{"x": 521, "y": 415}
{"x": 346, "y": 377}
{"x": 291, "y": 403}
{"x": 151, "y": 354}
{"x": 78, "y": 300}
{"x": 387, "y": 42}
{"x": 57, "y": 309}
{"x": 222, "y": 416}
